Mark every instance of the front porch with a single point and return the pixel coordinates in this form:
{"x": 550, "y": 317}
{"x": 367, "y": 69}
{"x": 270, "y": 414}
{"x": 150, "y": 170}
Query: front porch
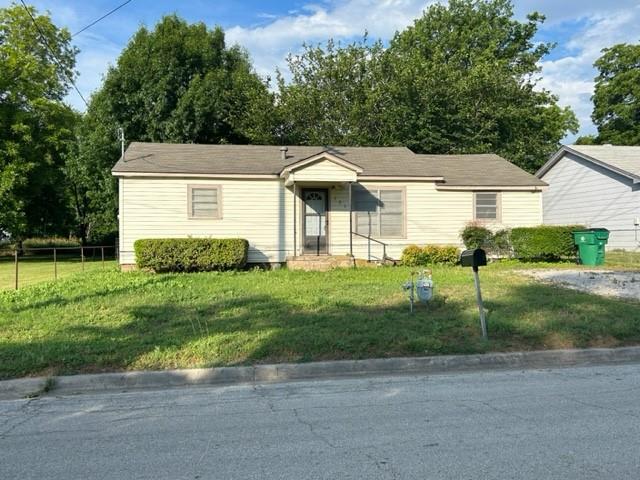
{"x": 324, "y": 229}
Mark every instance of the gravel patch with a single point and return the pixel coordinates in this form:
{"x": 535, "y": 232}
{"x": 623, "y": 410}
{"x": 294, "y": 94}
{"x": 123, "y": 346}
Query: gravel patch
{"x": 600, "y": 282}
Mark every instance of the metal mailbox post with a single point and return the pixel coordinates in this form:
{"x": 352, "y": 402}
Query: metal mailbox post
{"x": 476, "y": 258}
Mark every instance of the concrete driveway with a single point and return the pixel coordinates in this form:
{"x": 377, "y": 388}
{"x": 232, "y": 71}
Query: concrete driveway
{"x": 574, "y": 423}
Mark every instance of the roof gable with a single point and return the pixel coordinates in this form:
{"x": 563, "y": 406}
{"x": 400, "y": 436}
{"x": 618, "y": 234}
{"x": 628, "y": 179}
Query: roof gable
{"x": 320, "y": 157}
{"x": 624, "y": 161}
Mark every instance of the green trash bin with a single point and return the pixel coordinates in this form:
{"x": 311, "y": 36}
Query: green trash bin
{"x": 591, "y": 245}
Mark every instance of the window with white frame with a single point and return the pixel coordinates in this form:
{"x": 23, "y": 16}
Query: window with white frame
{"x": 204, "y": 201}
{"x": 379, "y": 212}
{"x": 486, "y": 206}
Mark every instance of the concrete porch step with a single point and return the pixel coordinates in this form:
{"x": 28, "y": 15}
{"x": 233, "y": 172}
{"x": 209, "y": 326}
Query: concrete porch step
{"x": 319, "y": 262}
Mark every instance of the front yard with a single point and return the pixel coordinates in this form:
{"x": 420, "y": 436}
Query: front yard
{"x": 117, "y": 321}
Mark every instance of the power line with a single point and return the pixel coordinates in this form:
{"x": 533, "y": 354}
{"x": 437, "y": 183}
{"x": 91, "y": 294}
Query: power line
{"x": 53, "y": 55}
{"x": 101, "y": 18}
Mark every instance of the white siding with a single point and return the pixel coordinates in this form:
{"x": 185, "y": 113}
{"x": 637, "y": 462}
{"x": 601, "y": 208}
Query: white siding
{"x": 582, "y": 193}
{"x": 262, "y": 212}
{"x": 251, "y": 209}
{"x": 324, "y": 171}
{"x": 437, "y": 217}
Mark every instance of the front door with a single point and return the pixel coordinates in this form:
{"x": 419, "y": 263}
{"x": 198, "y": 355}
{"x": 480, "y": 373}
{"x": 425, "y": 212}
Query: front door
{"x": 315, "y": 223}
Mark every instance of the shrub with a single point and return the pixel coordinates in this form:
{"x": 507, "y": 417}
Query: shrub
{"x": 191, "y": 254}
{"x": 476, "y": 236}
{"x": 50, "y": 242}
{"x": 546, "y": 242}
{"x": 501, "y": 243}
{"x": 414, "y": 255}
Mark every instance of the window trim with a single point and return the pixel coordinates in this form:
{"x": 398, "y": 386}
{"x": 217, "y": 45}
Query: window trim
{"x": 190, "y": 189}
{"x": 498, "y": 218}
{"x": 401, "y": 188}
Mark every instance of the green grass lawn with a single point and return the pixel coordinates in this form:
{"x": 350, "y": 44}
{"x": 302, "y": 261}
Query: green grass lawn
{"x": 110, "y": 320}
{"x": 32, "y": 270}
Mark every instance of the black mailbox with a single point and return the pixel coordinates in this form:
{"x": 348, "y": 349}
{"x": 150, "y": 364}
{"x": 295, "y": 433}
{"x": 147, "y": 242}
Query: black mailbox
{"x": 473, "y": 258}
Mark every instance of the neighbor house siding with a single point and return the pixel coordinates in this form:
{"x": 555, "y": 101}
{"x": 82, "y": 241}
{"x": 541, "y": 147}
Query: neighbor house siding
{"x": 580, "y": 192}
{"x": 252, "y": 209}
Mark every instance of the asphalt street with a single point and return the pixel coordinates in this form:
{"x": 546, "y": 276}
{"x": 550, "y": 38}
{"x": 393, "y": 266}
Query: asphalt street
{"x": 573, "y": 423}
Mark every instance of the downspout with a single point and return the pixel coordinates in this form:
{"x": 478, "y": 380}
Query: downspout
{"x": 295, "y": 221}
{"x": 350, "y": 221}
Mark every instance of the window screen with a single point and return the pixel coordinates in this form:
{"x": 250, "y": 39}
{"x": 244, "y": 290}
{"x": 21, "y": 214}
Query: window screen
{"x": 378, "y": 212}
{"x": 205, "y": 202}
{"x": 486, "y": 206}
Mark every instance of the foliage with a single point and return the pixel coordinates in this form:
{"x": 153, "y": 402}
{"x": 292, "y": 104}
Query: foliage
{"x": 547, "y": 242}
{"x": 191, "y": 254}
{"x": 109, "y": 320}
{"x": 500, "y": 244}
{"x": 176, "y": 83}
{"x": 36, "y": 128}
{"x": 50, "y": 242}
{"x": 616, "y": 97}
{"x": 414, "y": 255}
{"x": 476, "y": 236}
{"x": 427, "y": 93}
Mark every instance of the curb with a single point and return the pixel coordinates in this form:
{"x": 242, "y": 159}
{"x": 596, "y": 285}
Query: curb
{"x": 125, "y": 381}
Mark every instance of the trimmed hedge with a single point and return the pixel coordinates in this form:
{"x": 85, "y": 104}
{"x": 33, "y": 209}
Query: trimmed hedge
{"x": 414, "y": 256}
{"x": 546, "y": 242}
{"x": 191, "y": 254}
{"x": 50, "y": 242}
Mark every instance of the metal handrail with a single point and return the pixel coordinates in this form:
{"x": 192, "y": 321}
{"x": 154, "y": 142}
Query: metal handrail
{"x": 384, "y": 245}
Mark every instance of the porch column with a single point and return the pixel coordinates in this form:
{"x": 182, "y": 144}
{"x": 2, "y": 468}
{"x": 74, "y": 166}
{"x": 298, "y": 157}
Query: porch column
{"x": 295, "y": 222}
{"x": 350, "y": 222}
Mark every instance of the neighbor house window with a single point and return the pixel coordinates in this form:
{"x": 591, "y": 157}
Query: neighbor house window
{"x": 486, "y": 206}
{"x": 204, "y": 201}
{"x": 379, "y": 212}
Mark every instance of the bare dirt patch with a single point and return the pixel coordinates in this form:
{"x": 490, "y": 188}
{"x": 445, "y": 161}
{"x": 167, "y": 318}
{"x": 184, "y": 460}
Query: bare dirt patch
{"x": 601, "y": 282}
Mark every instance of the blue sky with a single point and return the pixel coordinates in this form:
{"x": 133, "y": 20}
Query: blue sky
{"x": 271, "y": 29}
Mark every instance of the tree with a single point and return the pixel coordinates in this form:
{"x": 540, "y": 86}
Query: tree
{"x": 36, "y": 128}
{"x": 336, "y": 95}
{"x": 461, "y": 79}
{"x": 616, "y": 97}
{"x": 176, "y": 83}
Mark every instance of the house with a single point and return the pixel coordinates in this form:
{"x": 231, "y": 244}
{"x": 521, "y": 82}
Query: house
{"x": 596, "y": 186}
{"x": 304, "y": 201}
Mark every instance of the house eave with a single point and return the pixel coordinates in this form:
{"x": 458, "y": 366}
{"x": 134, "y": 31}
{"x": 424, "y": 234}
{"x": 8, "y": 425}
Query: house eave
{"x": 565, "y": 149}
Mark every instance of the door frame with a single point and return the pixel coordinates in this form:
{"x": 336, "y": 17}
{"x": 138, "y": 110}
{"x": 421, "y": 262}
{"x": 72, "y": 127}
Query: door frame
{"x": 303, "y": 221}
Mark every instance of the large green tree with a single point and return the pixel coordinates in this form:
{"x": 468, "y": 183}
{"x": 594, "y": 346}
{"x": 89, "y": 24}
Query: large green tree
{"x": 36, "y": 128}
{"x": 616, "y": 97}
{"x": 461, "y": 79}
{"x": 176, "y": 83}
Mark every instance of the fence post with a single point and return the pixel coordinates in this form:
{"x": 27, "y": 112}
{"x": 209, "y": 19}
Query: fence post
{"x": 55, "y": 264}
{"x": 82, "y": 257}
{"x": 15, "y": 254}
{"x": 102, "y": 255}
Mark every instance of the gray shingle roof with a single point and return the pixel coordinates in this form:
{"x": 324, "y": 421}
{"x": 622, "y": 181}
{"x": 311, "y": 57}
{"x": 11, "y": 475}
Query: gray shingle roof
{"x": 622, "y": 158}
{"x": 457, "y": 170}
{"x": 478, "y": 170}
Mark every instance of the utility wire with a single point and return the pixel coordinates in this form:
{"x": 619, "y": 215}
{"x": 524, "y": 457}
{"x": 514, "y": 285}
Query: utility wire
{"x": 101, "y": 18}
{"x": 53, "y": 55}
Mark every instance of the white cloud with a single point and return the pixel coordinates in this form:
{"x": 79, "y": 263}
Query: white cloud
{"x": 571, "y": 77}
{"x": 269, "y": 44}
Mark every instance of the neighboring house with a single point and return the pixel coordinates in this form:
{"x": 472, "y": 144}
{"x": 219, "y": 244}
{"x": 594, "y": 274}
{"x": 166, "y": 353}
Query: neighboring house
{"x": 597, "y": 186}
{"x": 303, "y": 200}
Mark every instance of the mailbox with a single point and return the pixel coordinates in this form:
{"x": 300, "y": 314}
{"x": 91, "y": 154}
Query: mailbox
{"x": 473, "y": 258}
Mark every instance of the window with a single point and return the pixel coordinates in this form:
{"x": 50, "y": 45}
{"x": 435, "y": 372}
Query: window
{"x": 486, "y": 206}
{"x": 204, "y": 201}
{"x": 378, "y": 212}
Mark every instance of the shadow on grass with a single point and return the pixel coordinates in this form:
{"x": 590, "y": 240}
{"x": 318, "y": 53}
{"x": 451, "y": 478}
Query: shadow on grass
{"x": 267, "y": 328}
